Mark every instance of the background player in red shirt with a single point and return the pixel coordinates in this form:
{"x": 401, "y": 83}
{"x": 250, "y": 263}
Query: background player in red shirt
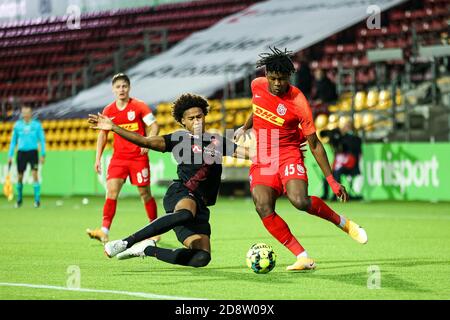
{"x": 128, "y": 160}
{"x": 278, "y": 110}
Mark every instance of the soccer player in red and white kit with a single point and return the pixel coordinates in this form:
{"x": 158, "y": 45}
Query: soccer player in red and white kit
{"x": 128, "y": 160}
{"x": 278, "y": 110}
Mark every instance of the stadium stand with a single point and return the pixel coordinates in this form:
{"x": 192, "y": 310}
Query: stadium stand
{"x": 42, "y": 61}
{"x": 30, "y": 72}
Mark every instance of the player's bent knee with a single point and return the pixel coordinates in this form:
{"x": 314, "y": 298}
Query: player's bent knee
{"x": 300, "y": 203}
{"x": 263, "y": 209}
{"x": 200, "y": 259}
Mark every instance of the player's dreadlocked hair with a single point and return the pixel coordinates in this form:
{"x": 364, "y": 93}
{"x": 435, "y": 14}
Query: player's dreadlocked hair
{"x": 277, "y": 61}
{"x": 187, "y": 101}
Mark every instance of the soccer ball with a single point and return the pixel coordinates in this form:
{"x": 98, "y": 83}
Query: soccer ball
{"x": 261, "y": 258}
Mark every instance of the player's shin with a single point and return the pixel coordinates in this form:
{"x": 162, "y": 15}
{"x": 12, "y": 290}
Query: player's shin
{"x": 37, "y": 192}
{"x": 278, "y": 228}
{"x": 19, "y": 191}
{"x": 151, "y": 209}
{"x": 109, "y": 211}
{"x": 320, "y": 209}
{"x": 185, "y": 257}
{"x": 160, "y": 226}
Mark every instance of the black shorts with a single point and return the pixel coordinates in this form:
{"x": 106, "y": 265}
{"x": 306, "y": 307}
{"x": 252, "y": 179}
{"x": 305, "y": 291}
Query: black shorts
{"x": 200, "y": 225}
{"x": 27, "y": 157}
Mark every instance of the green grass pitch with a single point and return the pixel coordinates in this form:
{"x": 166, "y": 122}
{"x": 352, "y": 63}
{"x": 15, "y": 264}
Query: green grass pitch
{"x": 409, "y": 243}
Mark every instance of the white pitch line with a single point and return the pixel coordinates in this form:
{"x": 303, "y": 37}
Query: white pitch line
{"x": 127, "y": 293}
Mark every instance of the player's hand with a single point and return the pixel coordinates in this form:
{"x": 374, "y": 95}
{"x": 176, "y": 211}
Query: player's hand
{"x": 338, "y": 189}
{"x": 198, "y": 128}
{"x": 98, "y": 167}
{"x": 100, "y": 122}
{"x": 42, "y": 160}
{"x": 239, "y": 133}
{"x": 144, "y": 151}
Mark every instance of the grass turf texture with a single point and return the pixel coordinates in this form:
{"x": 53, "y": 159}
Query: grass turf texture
{"x": 408, "y": 242}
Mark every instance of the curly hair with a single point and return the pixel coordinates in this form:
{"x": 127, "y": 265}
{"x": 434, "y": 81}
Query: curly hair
{"x": 187, "y": 101}
{"x": 276, "y": 61}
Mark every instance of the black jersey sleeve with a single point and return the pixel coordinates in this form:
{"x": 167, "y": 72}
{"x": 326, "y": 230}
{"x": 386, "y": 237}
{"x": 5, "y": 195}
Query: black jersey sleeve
{"x": 169, "y": 143}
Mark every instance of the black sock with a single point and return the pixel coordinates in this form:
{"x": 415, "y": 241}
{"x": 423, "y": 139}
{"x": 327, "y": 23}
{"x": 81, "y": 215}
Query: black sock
{"x": 185, "y": 257}
{"x": 160, "y": 226}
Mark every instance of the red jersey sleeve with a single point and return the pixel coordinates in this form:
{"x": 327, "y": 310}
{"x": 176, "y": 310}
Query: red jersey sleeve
{"x": 304, "y": 114}
{"x": 146, "y": 113}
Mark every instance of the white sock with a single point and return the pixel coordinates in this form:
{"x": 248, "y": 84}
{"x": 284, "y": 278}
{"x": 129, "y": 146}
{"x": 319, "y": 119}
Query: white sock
{"x": 343, "y": 222}
{"x": 105, "y": 230}
{"x": 304, "y": 254}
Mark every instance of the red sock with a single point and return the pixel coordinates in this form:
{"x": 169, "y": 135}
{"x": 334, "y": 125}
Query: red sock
{"x": 280, "y": 231}
{"x": 151, "y": 209}
{"x": 320, "y": 209}
{"x": 109, "y": 210}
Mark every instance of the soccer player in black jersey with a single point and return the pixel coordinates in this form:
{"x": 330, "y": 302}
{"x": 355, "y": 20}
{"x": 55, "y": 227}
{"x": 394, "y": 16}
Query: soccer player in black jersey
{"x": 199, "y": 157}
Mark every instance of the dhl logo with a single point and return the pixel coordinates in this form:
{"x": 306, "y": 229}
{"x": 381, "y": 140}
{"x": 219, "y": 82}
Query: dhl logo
{"x": 267, "y": 115}
{"x": 130, "y": 126}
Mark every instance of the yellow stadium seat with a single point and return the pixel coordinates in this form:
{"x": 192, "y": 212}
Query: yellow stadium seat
{"x": 45, "y": 124}
{"x": 384, "y": 100}
{"x": 321, "y": 121}
{"x": 74, "y": 135}
{"x": 77, "y": 123}
{"x": 60, "y": 124}
{"x": 332, "y": 121}
{"x": 372, "y": 98}
{"x": 368, "y": 121}
{"x": 232, "y": 104}
{"x": 345, "y": 104}
{"x": 357, "y": 121}
{"x": 360, "y": 100}
{"x": 8, "y": 126}
{"x": 229, "y": 118}
{"x": 228, "y": 161}
{"x": 71, "y": 145}
{"x": 333, "y": 108}
{"x": 215, "y": 105}
{"x": 244, "y": 103}
{"x": 239, "y": 119}
{"x": 68, "y": 123}
{"x": 398, "y": 98}
{"x": 92, "y": 135}
{"x": 52, "y": 124}
{"x": 343, "y": 121}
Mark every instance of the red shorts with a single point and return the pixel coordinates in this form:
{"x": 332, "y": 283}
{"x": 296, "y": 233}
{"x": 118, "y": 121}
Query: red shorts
{"x": 137, "y": 170}
{"x": 276, "y": 176}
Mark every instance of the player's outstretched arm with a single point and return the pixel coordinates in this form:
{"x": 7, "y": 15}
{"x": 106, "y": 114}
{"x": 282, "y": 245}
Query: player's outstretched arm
{"x": 320, "y": 155}
{"x": 101, "y": 122}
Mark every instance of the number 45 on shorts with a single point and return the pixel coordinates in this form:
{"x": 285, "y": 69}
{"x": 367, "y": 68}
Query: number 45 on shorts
{"x": 294, "y": 169}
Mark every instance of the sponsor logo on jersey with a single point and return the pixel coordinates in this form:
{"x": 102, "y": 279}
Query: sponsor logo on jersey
{"x": 134, "y": 126}
{"x": 267, "y": 115}
{"x": 281, "y": 109}
{"x": 131, "y": 115}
